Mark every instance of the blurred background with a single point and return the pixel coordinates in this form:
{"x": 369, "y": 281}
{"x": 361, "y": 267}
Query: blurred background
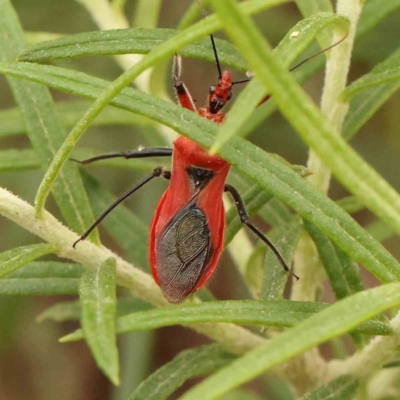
{"x": 33, "y": 365}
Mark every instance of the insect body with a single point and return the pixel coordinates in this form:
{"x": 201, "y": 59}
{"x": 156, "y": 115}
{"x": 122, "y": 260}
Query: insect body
{"x": 187, "y": 231}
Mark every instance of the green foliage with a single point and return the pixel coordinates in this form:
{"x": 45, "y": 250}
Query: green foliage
{"x": 98, "y": 299}
{"x": 279, "y": 193}
{"x": 265, "y": 313}
{"x": 188, "y": 364}
{"x": 344, "y": 387}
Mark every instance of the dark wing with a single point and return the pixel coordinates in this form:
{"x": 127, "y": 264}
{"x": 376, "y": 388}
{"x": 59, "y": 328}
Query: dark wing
{"x": 183, "y": 251}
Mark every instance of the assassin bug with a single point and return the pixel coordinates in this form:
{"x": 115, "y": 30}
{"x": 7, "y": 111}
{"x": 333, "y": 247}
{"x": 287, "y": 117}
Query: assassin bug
{"x": 187, "y": 231}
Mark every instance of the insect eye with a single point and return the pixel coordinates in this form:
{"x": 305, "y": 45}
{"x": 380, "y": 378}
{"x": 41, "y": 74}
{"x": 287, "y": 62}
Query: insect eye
{"x": 229, "y": 95}
{"x": 212, "y": 89}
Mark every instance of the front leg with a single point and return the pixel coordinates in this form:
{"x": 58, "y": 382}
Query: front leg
{"x": 184, "y": 97}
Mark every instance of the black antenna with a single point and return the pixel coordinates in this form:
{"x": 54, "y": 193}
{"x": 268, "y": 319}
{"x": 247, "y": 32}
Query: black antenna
{"x": 305, "y": 60}
{"x": 216, "y": 57}
{"x": 204, "y": 11}
{"x": 317, "y": 54}
{"x": 243, "y": 81}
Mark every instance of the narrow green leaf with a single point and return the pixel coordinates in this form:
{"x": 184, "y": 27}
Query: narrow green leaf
{"x": 374, "y": 12}
{"x": 265, "y": 313}
{"x": 287, "y": 51}
{"x": 364, "y": 104}
{"x": 276, "y": 213}
{"x": 350, "y": 204}
{"x": 128, "y": 41}
{"x": 161, "y": 52}
{"x": 341, "y": 275}
{"x": 350, "y": 169}
{"x": 379, "y": 230}
{"x": 187, "y": 364}
{"x": 71, "y": 310}
{"x": 147, "y": 13}
{"x": 98, "y": 300}
{"x": 18, "y": 160}
{"x": 285, "y": 238}
{"x": 342, "y": 388}
{"x": 311, "y": 7}
{"x": 334, "y": 321}
{"x": 68, "y": 113}
{"x": 14, "y": 259}
{"x": 45, "y": 131}
{"x": 351, "y": 272}
{"x": 191, "y": 15}
{"x": 11, "y": 122}
{"x": 47, "y": 269}
{"x": 342, "y": 272}
{"x": 371, "y": 80}
{"x": 128, "y": 230}
{"x": 38, "y": 286}
{"x": 270, "y": 174}
{"x": 278, "y": 389}
{"x": 61, "y": 312}
{"x": 330, "y": 261}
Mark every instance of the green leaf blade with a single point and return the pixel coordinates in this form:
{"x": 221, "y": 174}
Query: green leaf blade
{"x": 284, "y": 237}
{"x": 343, "y": 388}
{"x": 18, "y": 160}
{"x": 47, "y": 269}
{"x": 264, "y": 313}
{"x": 127, "y": 41}
{"x": 14, "y": 259}
{"x": 372, "y": 80}
{"x": 36, "y": 286}
{"x": 366, "y": 98}
{"x": 374, "y": 12}
{"x": 98, "y": 299}
{"x": 188, "y": 364}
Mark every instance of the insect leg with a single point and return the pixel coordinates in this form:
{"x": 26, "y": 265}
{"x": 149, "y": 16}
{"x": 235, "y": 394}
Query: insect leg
{"x": 184, "y": 97}
{"x": 141, "y": 153}
{"x": 159, "y": 171}
{"x": 245, "y": 219}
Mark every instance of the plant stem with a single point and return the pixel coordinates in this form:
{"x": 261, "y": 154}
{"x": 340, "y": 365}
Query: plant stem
{"x": 335, "y": 81}
{"x": 332, "y": 107}
{"x": 371, "y": 358}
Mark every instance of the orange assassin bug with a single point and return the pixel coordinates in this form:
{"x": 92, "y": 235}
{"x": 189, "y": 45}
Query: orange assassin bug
{"x": 187, "y": 231}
